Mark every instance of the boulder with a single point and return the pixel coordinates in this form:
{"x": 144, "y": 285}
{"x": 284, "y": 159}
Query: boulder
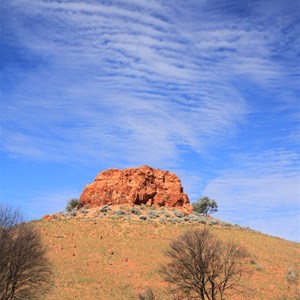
{"x": 136, "y": 186}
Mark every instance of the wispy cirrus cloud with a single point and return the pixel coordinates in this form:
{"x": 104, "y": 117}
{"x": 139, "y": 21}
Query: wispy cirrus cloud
{"x": 132, "y": 65}
{"x": 261, "y": 190}
{"x": 133, "y": 61}
{"x": 176, "y": 85}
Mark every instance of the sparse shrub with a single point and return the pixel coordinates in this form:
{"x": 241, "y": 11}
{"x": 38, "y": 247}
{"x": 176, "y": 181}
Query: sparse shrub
{"x": 72, "y": 203}
{"x": 178, "y": 214}
{"x": 292, "y": 274}
{"x": 195, "y": 219}
{"x": 225, "y": 224}
{"x": 203, "y": 267}
{"x": 73, "y": 213}
{"x": 135, "y": 211}
{"x": 25, "y": 271}
{"x": 168, "y": 215}
{"x": 120, "y": 212}
{"x": 116, "y": 217}
{"x": 153, "y": 214}
{"x": 128, "y": 218}
{"x": 104, "y": 208}
{"x": 213, "y": 222}
{"x": 186, "y": 219}
{"x": 173, "y": 220}
{"x": 148, "y": 295}
{"x": 259, "y": 267}
{"x": 162, "y": 220}
{"x": 83, "y": 210}
{"x": 142, "y": 217}
{"x": 205, "y": 205}
{"x": 197, "y": 215}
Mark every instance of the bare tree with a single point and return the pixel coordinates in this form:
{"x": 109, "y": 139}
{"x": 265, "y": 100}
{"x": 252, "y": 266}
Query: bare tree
{"x": 9, "y": 217}
{"x": 203, "y": 267}
{"x": 24, "y": 268}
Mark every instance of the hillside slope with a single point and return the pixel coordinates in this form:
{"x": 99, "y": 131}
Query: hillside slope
{"x": 118, "y": 259}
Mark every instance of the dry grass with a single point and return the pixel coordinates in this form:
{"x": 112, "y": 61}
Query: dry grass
{"x": 117, "y": 259}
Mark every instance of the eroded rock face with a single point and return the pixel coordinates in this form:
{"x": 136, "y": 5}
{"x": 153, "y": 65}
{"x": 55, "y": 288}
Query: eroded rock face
{"x": 135, "y": 186}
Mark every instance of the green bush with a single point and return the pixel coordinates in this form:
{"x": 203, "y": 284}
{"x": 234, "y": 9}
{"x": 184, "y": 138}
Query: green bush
{"x": 83, "y": 210}
{"x": 174, "y": 220}
{"x": 72, "y": 203}
{"x": 120, "y": 212}
{"x": 162, "y": 220}
{"x": 104, "y": 209}
{"x": 135, "y": 211}
{"x": 214, "y": 222}
{"x": 25, "y": 271}
{"x": 178, "y": 214}
{"x": 153, "y": 214}
{"x": 73, "y": 213}
{"x": 205, "y": 205}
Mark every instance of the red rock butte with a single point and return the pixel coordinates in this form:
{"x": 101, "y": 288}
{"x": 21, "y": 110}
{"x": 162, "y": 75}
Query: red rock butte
{"x": 136, "y": 186}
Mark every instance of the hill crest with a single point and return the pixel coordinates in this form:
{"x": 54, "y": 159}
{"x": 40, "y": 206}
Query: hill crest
{"x": 136, "y": 186}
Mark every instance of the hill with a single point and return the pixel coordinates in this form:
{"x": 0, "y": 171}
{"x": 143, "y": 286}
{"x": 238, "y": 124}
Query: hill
{"x": 113, "y": 255}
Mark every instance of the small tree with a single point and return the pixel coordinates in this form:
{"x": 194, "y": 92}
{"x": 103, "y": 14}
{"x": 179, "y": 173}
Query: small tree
{"x": 24, "y": 268}
{"x": 72, "y": 203}
{"x": 203, "y": 267}
{"x": 205, "y": 205}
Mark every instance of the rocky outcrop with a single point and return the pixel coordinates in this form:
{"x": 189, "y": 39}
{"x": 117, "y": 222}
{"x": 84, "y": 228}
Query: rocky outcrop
{"x": 135, "y": 186}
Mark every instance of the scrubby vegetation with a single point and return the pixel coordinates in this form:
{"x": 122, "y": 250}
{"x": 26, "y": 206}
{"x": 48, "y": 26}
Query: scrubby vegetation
{"x": 119, "y": 250}
{"x": 129, "y": 213}
{"x": 72, "y": 203}
{"x": 203, "y": 267}
{"x": 149, "y": 294}
{"x": 118, "y": 256}
{"x": 292, "y": 275}
{"x": 205, "y": 205}
{"x": 25, "y": 271}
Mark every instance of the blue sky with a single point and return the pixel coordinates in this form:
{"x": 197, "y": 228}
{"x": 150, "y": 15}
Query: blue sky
{"x": 206, "y": 89}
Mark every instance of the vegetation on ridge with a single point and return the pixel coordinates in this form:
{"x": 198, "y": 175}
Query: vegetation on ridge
{"x": 118, "y": 255}
{"x": 204, "y": 267}
{"x": 117, "y": 258}
{"x": 205, "y": 205}
{"x": 24, "y": 268}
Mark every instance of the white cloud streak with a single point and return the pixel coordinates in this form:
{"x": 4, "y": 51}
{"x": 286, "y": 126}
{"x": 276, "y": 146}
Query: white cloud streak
{"x": 261, "y": 190}
{"x": 133, "y": 82}
{"x": 141, "y": 74}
